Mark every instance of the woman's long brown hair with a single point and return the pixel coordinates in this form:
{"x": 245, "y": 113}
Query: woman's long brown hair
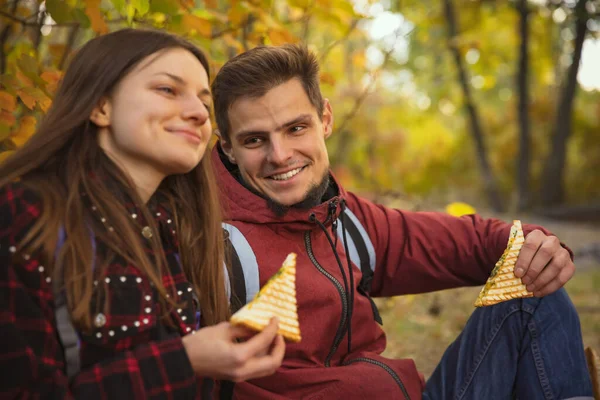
{"x": 62, "y": 161}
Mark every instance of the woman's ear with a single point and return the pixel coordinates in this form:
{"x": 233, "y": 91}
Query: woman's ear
{"x": 101, "y": 114}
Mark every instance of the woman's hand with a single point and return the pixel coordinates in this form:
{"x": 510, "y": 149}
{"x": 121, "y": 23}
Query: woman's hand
{"x": 215, "y": 351}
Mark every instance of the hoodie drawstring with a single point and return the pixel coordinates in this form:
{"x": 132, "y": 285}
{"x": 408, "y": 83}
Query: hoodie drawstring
{"x": 350, "y": 272}
{"x": 348, "y": 289}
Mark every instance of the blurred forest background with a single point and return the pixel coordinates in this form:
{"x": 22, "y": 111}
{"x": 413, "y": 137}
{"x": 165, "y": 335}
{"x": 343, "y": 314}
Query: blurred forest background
{"x": 488, "y": 102}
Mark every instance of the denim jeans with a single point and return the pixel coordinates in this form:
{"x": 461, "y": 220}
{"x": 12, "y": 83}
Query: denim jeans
{"x": 525, "y": 349}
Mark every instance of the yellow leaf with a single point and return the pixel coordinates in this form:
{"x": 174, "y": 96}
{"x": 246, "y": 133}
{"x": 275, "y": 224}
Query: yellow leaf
{"x": 25, "y": 130}
{"x": 358, "y": 59}
{"x": 201, "y": 25}
{"x": 8, "y": 102}
{"x": 237, "y": 15}
{"x": 23, "y": 79}
{"x": 5, "y": 154}
{"x": 459, "y": 209}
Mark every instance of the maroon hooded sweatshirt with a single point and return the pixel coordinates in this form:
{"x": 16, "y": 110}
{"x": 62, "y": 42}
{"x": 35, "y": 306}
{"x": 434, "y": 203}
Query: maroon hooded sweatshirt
{"x": 416, "y": 252}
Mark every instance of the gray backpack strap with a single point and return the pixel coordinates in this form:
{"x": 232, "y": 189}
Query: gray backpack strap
{"x": 360, "y": 246}
{"x": 245, "y": 281}
{"x": 362, "y": 253}
{"x": 67, "y": 333}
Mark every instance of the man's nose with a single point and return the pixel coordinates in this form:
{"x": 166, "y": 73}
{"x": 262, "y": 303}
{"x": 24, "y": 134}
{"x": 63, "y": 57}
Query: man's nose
{"x": 279, "y": 151}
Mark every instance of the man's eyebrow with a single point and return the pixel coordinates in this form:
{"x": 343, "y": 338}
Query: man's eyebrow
{"x": 180, "y": 80}
{"x": 303, "y": 118}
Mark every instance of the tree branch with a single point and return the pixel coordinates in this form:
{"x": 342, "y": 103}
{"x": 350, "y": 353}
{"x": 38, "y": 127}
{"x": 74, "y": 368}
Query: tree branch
{"x": 366, "y": 91}
{"x": 333, "y": 44}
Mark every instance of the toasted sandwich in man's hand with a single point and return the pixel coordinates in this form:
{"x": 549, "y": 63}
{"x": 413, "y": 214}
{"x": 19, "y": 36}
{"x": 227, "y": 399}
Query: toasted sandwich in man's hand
{"x": 503, "y": 285}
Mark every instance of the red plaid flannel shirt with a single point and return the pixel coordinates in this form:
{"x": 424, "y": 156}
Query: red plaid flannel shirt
{"x": 129, "y": 355}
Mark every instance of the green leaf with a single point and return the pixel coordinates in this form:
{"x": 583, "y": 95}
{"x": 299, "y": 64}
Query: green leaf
{"x": 59, "y": 11}
{"x": 81, "y": 17}
{"x": 169, "y": 7}
{"x": 142, "y": 6}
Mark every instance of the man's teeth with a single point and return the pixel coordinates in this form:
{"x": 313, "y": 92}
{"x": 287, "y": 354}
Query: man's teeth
{"x": 287, "y": 175}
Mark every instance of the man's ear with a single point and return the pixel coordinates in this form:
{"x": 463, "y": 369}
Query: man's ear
{"x": 101, "y": 114}
{"x": 226, "y": 146}
{"x": 327, "y": 118}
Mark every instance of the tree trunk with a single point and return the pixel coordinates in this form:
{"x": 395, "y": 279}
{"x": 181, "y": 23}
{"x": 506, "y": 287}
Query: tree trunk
{"x": 489, "y": 181}
{"x": 552, "y": 191}
{"x": 523, "y": 200}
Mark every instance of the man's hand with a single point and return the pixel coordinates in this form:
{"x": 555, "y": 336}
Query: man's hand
{"x": 544, "y": 265}
{"x": 215, "y": 351}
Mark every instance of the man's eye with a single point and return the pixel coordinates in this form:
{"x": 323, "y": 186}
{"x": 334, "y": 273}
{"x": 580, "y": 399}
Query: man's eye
{"x": 296, "y": 129}
{"x": 253, "y": 141}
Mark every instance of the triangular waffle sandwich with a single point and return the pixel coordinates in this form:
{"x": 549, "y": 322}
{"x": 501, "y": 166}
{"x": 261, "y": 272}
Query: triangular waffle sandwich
{"x": 502, "y": 284}
{"x": 277, "y": 298}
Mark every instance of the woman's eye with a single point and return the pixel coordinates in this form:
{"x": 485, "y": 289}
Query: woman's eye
{"x": 167, "y": 90}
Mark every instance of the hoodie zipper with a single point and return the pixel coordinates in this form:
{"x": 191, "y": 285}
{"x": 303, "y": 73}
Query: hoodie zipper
{"x": 340, "y": 331}
{"x": 386, "y": 367}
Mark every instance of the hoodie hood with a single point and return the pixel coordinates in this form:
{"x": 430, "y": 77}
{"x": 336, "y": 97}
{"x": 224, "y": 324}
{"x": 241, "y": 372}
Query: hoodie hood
{"x": 240, "y": 204}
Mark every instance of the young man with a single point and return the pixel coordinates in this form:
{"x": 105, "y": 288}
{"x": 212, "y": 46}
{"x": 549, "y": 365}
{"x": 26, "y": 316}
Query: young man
{"x": 280, "y": 196}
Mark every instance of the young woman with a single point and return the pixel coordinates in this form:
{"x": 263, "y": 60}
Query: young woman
{"x": 111, "y": 249}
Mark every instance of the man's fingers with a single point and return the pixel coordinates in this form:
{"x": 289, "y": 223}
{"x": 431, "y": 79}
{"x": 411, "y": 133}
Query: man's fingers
{"x": 559, "y": 281}
{"x": 531, "y": 245}
{"x": 560, "y": 261}
{"x": 548, "y": 249}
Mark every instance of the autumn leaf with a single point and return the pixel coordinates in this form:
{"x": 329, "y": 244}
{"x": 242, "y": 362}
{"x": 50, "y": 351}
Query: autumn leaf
{"x": 23, "y": 80}
{"x": 59, "y": 10}
{"x": 52, "y": 78}
{"x": 7, "y": 118}
{"x": 5, "y": 154}
{"x": 327, "y": 78}
{"x": 26, "y": 129}
{"x": 459, "y": 209}
{"x": 202, "y": 26}
{"x": 7, "y": 101}
{"x": 92, "y": 10}
{"x": 27, "y": 99}
{"x": 280, "y": 36}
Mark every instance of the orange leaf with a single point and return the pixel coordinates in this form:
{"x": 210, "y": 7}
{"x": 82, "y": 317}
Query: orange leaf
{"x": 51, "y": 78}
{"x": 27, "y": 99}
{"x": 8, "y": 102}
{"x": 201, "y": 25}
{"x": 25, "y": 130}
{"x": 7, "y": 118}
{"x": 92, "y": 10}
{"x": 211, "y": 3}
{"x": 280, "y": 36}
{"x": 327, "y": 78}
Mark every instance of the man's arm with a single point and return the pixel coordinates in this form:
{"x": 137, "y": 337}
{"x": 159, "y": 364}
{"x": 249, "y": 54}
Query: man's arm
{"x": 418, "y": 252}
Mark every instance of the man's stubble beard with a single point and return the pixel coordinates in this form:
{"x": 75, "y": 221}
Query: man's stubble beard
{"x": 314, "y": 197}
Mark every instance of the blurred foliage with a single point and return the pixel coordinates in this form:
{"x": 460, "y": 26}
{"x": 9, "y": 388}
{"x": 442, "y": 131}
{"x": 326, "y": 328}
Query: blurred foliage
{"x": 398, "y": 105}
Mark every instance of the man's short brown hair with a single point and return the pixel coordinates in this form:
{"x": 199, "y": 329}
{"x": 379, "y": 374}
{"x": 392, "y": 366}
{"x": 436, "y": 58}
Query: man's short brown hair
{"x": 253, "y": 73}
